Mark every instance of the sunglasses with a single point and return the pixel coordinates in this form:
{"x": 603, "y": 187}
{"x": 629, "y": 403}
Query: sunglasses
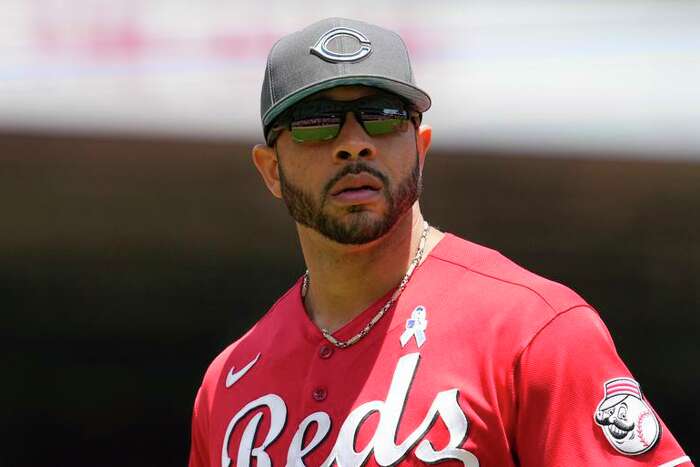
{"x": 321, "y": 120}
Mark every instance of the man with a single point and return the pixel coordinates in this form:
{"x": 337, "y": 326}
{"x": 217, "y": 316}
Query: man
{"x": 402, "y": 345}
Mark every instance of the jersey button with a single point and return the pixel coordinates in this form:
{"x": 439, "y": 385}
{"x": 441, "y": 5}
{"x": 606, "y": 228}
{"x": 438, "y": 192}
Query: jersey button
{"x": 319, "y": 394}
{"x": 325, "y": 351}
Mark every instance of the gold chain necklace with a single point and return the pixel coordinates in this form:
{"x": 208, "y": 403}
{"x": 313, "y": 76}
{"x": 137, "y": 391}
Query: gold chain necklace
{"x": 411, "y": 267}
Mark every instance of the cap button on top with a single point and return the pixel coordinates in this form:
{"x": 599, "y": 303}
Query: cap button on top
{"x": 325, "y": 351}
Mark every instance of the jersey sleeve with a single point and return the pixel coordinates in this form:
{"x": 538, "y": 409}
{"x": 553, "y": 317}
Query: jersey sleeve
{"x": 578, "y": 404}
{"x": 199, "y": 454}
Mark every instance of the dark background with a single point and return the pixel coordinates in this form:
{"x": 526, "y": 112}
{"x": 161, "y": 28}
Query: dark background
{"x": 126, "y": 265}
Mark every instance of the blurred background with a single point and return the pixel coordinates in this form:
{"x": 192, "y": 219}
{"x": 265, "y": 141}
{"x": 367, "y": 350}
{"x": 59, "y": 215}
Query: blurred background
{"x": 136, "y": 240}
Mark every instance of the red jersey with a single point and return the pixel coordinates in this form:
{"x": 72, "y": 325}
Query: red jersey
{"x": 478, "y": 363}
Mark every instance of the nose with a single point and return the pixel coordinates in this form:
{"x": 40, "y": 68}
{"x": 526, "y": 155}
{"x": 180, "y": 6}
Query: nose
{"x": 353, "y": 142}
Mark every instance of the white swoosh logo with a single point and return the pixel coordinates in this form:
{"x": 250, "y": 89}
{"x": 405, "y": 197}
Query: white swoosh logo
{"x": 232, "y": 377}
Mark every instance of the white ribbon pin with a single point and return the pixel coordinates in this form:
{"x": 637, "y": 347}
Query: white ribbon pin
{"x": 415, "y": 326}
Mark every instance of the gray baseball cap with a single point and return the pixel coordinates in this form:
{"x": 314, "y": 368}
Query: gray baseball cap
{"x": 336, "y": 52}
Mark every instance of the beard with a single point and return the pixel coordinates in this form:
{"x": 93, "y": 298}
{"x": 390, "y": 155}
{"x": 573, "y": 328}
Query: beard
{"x": 359, "y": 226}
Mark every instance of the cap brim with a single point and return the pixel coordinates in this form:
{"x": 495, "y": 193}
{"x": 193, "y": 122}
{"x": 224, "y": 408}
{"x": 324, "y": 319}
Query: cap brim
{"x": 411, "y": 93}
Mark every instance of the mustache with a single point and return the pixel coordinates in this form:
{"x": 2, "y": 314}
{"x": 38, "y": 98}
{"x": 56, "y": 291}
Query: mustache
{"x": 621, "y": 424}
{"x": 355, "y": 169}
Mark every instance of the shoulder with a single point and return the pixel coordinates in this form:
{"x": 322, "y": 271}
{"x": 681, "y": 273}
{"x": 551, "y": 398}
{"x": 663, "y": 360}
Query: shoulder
{"x": 493, "y": 270}
{"x": 497, "y": 293}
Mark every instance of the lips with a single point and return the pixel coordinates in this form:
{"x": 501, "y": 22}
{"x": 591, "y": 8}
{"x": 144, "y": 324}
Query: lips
{"x": 356, "y": 182}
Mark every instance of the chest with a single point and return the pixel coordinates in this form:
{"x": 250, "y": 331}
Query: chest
{"x": 391, "y": 405}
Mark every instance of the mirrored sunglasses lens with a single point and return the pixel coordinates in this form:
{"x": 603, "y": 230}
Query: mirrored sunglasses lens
{"x": 383, "y": 126}
{"x": 307, "y": 134}
{"x": 315, "y": 128}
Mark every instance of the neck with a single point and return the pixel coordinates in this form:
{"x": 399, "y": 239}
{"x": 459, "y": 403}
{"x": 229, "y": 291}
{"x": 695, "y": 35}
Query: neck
{"x": 346, "y": 279}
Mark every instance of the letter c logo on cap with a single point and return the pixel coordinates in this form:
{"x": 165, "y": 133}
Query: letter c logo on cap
{"x": 321, "y": 49}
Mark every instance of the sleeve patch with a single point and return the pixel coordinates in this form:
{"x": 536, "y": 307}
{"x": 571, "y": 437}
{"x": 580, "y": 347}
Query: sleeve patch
{"x": 628, "y": 423}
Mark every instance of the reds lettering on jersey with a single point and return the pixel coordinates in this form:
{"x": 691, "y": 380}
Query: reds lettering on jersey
{"x": 479, "y": 363}
{"x": 382, "y": 444}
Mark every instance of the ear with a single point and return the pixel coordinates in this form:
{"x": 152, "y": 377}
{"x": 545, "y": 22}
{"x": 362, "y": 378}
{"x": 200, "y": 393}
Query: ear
{"x": 424, "y": 136}
{"x": 265, "y": 160}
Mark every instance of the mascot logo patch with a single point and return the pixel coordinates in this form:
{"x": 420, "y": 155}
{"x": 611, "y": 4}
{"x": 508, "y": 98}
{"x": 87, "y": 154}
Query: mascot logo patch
{"x": 626, "y": 420}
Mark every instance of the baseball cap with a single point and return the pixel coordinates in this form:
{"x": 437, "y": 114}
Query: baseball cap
{"x": 336, "y": 52}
